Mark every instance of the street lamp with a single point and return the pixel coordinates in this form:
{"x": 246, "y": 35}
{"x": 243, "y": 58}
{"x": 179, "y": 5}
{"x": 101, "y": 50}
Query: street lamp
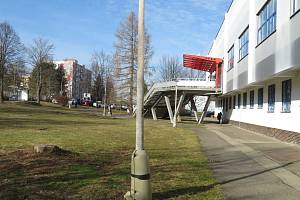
{"x": 140, "y": 173}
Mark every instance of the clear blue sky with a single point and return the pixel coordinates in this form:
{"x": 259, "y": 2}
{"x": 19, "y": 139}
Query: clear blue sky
{"x": 78, "y": 27}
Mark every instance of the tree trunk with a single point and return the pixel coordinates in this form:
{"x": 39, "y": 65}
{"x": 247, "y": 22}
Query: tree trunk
{"x": 131, "y": 88}
{"x": 1, "y": 89}
{"x": 104, "y": 109}
{"x": 39, "y": 86}
{"x": 131, "y": 72}
{"x": 38, "y": 93}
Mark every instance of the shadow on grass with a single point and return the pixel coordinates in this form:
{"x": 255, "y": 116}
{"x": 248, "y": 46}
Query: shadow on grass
{"x": 28, "y": 122}
{"x": 182, "y": 191}
{"x": 27, "y": 175}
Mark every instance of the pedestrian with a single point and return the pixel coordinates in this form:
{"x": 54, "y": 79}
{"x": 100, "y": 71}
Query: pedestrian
{"x": 219, "y": 117}
{"x": 109, "y": 110}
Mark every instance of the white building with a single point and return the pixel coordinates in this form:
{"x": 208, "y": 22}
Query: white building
{"x": 259, "y": 41}
{"x": 79, "y": 79}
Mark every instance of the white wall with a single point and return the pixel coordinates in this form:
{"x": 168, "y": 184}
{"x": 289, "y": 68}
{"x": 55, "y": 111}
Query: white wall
{"x": 272, "y": 61}
{"x": 286, "y": 121}
{"x": 275, "y": 55}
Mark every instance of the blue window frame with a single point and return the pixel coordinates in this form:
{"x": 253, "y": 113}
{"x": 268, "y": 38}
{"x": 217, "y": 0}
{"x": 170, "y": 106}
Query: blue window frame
{"x": 295, "y": 6}
{"x": 244, "y": 44}
{"x": 286, "y": 95}
{"x": 260, "y": 98}
{"x": 239, "y": 101}
{"x": 252, "y": 99}
{"x": 231, "y": 58}
{"x": 267, "y": 20}
{"x": 245, "y": 100}
{"x": 271, "y": 98}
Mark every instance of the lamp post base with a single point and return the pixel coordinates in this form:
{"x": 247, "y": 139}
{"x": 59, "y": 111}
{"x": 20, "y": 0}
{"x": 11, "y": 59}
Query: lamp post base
{"x": 140, "y": 177}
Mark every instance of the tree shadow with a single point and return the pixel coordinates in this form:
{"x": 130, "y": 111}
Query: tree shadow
{"x": 182, "y": 191}
{"x": 200, "y": 189}
{"x": 28, "y": 175}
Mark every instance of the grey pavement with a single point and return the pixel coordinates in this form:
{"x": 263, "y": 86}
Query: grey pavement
{"x": 249, "y": 165}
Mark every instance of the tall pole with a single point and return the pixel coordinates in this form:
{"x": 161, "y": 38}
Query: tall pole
{"x": 140, "y": 79}
{"x": 140, "y": 173}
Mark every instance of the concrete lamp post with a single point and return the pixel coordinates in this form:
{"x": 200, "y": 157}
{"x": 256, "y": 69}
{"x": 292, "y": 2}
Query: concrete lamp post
{"x": 140, "y": 173}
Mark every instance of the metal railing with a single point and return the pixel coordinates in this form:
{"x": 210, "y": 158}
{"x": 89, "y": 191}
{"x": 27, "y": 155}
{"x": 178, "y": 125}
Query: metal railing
{"x": 181, "y": 82}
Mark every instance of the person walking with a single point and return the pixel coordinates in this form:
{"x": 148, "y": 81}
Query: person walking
{"x": 219, "y": 117}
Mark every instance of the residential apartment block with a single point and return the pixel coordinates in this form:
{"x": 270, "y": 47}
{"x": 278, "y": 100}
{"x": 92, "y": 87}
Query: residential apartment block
{"x": 79, "y": 78}
{"x": 259, "y": 42}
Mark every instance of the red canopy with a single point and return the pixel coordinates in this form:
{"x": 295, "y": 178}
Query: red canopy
{"x": 201, "y": 62}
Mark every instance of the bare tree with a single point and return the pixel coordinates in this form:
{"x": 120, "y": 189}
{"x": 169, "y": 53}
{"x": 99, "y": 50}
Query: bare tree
{"x": 13, "y": 75}
{"x": 10, "y": 52}
{"x": 40, "y": 52}
{"x": 126, "y": 56}
{"x": 102, "y": 69}
{"x": 170, "y": 68}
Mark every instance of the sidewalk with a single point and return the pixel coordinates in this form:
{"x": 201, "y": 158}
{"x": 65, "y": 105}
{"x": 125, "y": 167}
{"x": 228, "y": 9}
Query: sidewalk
{"x": 248, "y": 165}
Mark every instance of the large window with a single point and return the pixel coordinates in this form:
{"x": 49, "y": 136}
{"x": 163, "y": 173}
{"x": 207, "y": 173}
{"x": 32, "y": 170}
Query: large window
{"x": 245, "y": 100}
{"x": 234, "y": 101}
{"x": 226, "y": 104}
{"x": 267, "y": 20}
{"x": 239, "y": 101}
{"x": 260, "y": 98}
{"x": 286, "y": 95}
{"x": 244, "y": 41}
{"x": 252, "y": 99}
{"x": 230, "y": 102}
{"x": 271, "y": 98}
{"x": 295, "y": 6}
{"x": 231, "y": 58}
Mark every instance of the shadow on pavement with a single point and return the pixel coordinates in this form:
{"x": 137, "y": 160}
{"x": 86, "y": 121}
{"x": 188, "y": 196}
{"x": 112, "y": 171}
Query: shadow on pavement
{"x": 199, "y": 189}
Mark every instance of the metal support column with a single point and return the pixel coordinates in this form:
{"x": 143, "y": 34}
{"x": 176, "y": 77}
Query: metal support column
{"x": 205, "y": 109}
{"x": 194, "y": 108}
{"x": 178, "y": 107}
{"x": 167, "y": 99}
{"x": 153, "y": 111}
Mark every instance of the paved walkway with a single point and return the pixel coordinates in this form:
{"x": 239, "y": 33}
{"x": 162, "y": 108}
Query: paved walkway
{"x": 248, "y": 165}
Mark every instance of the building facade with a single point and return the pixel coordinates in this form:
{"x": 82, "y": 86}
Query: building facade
{"x": 79, "y": 79}
{"x": 259, "y": 42}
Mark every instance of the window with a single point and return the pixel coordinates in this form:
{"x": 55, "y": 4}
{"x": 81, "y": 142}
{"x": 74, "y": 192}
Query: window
{"x": 295, "y": 6}
{"x": 271, "y": 98}
{"x": 230, "y": 102}
{"x": 252, "y": 99}
{"x": 267, "y": 20}
{"x": 244, "y": 41}
{"x": 286, "y": 95}
{"x": 231, "y": 58}
{"x": 234, "y": 101}
{"x": 239, "y": 101}
{"x": 226, "y": 104}
{"x": 245, "y": 100}
{"x": 260, "y": 98}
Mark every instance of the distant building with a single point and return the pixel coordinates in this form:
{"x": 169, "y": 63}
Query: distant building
{"x": 24, "y": 83}
{"x": 79, "y": 78}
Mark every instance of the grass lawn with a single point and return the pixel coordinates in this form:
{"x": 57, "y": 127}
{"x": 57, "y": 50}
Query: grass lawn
{"x": 97, "y": 165}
